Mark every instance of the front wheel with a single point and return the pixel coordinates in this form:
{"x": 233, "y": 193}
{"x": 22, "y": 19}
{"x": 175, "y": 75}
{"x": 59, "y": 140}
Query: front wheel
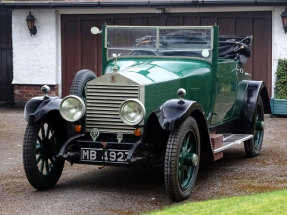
{"x": 41, "y": 144}
{"x": 182, "y": 160}
{"x": 254, "y": 145}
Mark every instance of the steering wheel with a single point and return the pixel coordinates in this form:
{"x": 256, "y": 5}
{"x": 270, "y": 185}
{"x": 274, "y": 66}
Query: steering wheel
{"x": 143, "y": 52}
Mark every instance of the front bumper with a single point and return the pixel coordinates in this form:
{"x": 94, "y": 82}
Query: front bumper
{"x": 72, "y": 150}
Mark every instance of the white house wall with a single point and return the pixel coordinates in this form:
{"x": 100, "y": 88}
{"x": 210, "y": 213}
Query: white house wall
{"x": 167, "y": 10}
{"x": 279, "y": 46}
{"x": 35, "y": 57}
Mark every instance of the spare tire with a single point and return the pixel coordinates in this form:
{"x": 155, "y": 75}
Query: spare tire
{"x": 79, "y": 82}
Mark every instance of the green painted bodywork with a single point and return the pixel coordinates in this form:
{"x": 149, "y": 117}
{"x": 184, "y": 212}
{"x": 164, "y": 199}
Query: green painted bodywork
{"x": 162, "y": 78}
{"x": 225, "y": 92}
{"x": 213, "y": 84}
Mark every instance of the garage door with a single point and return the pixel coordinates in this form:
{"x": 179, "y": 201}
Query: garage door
{"x": 6, "y": 69}
{"x": 81, "y": 49}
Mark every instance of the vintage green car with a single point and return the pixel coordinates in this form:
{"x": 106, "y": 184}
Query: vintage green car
{"x": 167, "y": 96}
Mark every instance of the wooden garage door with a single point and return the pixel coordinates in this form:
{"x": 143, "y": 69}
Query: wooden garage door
{"x": 81, "y": 49}
{"x": 6, "y": 69}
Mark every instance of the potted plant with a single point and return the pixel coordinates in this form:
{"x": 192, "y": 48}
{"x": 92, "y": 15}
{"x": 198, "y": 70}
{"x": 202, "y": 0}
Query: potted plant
{"x": 279, "y": 102}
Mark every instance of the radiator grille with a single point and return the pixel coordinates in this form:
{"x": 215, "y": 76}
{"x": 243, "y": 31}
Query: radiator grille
{"x": 103, "y": 102}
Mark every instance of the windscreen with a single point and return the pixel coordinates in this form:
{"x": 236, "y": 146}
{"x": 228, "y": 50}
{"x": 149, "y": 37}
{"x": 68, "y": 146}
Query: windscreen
{"x": 159, "y": 41}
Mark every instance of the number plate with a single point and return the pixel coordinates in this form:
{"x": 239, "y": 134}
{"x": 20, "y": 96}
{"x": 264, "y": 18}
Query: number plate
{"x": 99, "y": 155}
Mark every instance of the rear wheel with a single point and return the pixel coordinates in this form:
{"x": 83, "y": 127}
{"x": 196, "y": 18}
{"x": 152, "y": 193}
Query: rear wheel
{"x": 41, "y": 144}
{"x": 182, "y": 160}
{"x": 254, "y": 145}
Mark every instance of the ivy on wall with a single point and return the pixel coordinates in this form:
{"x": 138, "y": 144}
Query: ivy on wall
{"x": 281, "y": 80}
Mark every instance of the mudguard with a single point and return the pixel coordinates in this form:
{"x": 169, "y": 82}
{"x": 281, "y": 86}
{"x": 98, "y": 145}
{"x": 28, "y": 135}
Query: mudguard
{"x": 254, "y": 89}
{"x": 38, "y": 107}
{"x": 173, "y": 112}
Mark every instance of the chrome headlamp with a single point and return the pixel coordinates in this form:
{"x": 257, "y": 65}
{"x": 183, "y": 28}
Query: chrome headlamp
{"x": 72, "y": 108}
{"x": 132, "y": 111}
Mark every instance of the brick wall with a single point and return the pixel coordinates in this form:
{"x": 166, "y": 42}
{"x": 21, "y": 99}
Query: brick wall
{"x": 22, "y": 93}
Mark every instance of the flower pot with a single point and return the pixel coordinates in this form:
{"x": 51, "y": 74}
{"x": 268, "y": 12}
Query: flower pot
{"x": 278, "y": 106}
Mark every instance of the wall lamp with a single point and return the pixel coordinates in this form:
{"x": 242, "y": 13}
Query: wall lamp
{"x": 30, "y": 19}
{"x": 284, "y": 20}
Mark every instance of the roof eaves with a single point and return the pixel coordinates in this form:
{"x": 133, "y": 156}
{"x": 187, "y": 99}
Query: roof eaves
{"x": 129, "y": 4}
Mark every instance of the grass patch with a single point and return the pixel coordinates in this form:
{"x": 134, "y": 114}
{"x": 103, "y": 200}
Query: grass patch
{"x": 264, "y": 203}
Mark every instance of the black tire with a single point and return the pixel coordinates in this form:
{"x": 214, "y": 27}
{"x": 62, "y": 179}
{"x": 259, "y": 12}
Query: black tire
{"x": 177, "y": 185}
{"x": 253, "y": 146}
{"x": 79, "y": 82}
{"x": 42, "y": 142}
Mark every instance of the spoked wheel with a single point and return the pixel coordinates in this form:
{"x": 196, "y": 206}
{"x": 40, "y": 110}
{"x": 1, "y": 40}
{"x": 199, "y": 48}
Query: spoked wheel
{"x": 253, "y": 146}
{"x": 182, "y": 160}
{"x": 41, "y": 144}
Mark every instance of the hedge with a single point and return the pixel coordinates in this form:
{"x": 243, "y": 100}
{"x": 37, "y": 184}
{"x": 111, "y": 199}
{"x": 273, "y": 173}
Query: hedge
{"x": 281, "y": 80}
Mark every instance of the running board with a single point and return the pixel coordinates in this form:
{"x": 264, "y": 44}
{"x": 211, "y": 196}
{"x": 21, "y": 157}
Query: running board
{"x": 230, "y": 140}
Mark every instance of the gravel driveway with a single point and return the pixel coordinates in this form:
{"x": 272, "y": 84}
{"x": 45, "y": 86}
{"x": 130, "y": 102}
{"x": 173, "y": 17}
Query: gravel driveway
{"x": 84, "y": 189}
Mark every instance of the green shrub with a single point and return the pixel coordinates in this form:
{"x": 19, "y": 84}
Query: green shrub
{"x": 281, "y": 80}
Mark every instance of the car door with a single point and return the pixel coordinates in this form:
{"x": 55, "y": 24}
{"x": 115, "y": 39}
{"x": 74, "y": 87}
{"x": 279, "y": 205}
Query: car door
{"x": 228, "y": 77}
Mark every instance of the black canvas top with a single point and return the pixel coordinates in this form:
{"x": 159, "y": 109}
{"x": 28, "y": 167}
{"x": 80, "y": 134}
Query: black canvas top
{"x": 235, "y": 47}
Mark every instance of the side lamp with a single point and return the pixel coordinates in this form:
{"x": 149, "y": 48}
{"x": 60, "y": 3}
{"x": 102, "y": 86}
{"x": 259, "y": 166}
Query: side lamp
{"x": 30, "y": 19}
{"x": 284, "y": 20}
